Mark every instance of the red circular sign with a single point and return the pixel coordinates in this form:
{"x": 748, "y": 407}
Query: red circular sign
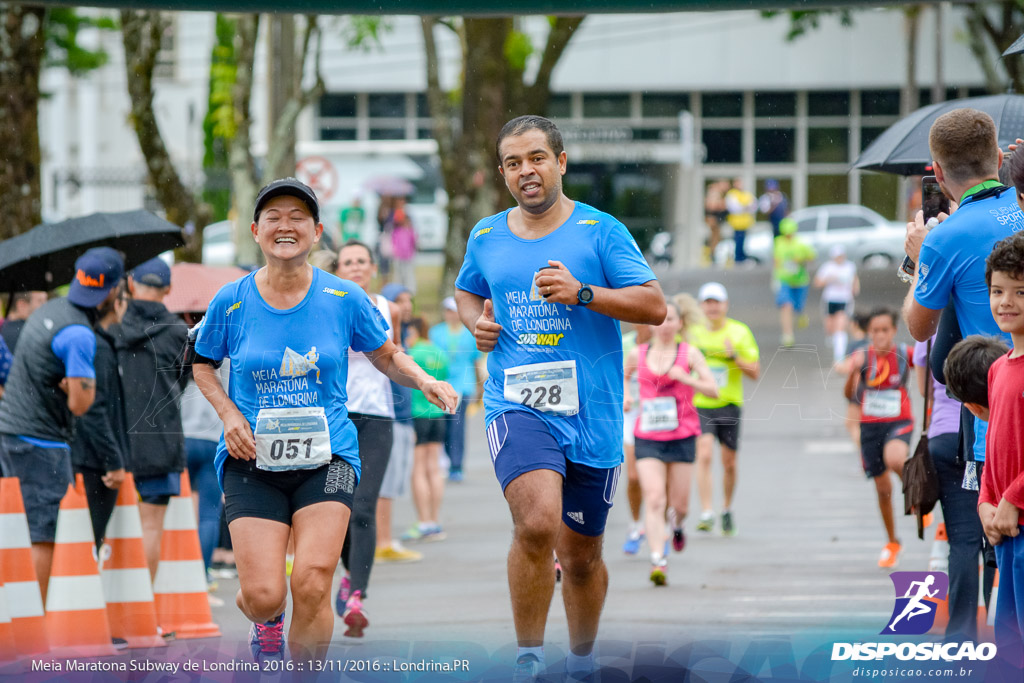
{"x": 319, "y": 173}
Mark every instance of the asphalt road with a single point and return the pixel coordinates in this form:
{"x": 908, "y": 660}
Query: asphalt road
{"x": 800, "y": 574}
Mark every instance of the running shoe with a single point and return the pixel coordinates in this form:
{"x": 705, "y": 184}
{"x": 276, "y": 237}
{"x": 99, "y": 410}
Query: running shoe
{"x": 396, "y": 553}
{"x": 344, "y": 590}
{"x": 679, "y": 539}
{"x": 558, "y": 570}
{"x": 266, "y": 641}
{"x": 455, "y": 476}
{"x": 890, "y": 556}
{"x": 527, "y": 669}
{"x": 803, "y": 321}
{"x": 432, "y": 532}
{"x": 788, "y": 341}
{"x": 413, "y": 533}
{"x": 659, "y": 571}
{"x": 633, "y": 541}
{"x": 706, "y": 522}
{"x": 728, "y": 527}
{"x": 355, "y": 615}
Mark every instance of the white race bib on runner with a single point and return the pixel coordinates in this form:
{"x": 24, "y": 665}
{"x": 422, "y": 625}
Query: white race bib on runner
{"x": 292, "y": 439}
{"x": 721, "y": 375}
{"x": 547, "y": 387}
{"x": 882, "y": 403}
{"x": 658, "y": 414}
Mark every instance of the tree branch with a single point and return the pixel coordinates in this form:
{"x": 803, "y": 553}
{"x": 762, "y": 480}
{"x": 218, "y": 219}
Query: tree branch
{"x": 562, "y": 31}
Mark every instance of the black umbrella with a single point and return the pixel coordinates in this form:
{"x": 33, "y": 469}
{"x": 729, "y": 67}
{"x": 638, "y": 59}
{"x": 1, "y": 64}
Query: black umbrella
{"x": 44, "y": 257}
{"x": 903, "y": 147}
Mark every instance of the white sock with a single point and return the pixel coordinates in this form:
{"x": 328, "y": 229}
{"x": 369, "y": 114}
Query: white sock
{"x": 656, "y": 558}
{"x": 839, "y": 345}
{"x": 635, "y": 527}
{"x": 579, "y": 663}
{"x": 537, "y": 652}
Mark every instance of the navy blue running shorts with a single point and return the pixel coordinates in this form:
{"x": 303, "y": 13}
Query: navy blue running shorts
{"x": 519, "y": 442}
{"x": 874, "y": 436}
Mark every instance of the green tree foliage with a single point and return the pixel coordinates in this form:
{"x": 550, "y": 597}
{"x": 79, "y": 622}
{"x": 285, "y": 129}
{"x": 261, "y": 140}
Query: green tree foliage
{"x": 63, "y": 24}
{"x": 219, "y": 124}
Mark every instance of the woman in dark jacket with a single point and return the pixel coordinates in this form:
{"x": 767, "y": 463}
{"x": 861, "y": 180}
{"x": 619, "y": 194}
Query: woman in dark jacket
{"x": 99, "y": 449}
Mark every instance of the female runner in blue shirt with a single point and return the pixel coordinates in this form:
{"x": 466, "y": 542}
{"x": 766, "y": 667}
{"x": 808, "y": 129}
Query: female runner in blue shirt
{"x": 294, "y": 457}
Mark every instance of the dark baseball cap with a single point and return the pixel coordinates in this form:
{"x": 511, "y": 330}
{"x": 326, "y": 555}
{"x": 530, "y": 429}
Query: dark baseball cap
{"x": 97, "y": 271}
{"x": 152, "y": 273}
{"x": 287, "y": 186}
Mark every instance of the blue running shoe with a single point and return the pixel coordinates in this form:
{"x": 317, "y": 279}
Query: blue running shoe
{"x": 267, "y": 640}
{"x": 633, "y": 541}
{"x": 527, "y": 669}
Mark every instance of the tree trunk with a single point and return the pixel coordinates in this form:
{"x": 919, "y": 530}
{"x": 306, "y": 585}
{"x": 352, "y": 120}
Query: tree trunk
{"x": 492, "y": 92}
{"x": 22, "y": 44}
{"x": 141, "y": 33}
{"x": 240, "y": 161}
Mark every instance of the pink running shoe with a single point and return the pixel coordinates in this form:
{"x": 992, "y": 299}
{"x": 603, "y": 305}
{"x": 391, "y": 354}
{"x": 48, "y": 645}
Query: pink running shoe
{"x": 344, "y": 589}
{"x": 355, "y": 617}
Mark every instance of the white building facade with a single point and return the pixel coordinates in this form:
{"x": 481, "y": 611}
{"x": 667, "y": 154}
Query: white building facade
{"x": 652, "y": 106}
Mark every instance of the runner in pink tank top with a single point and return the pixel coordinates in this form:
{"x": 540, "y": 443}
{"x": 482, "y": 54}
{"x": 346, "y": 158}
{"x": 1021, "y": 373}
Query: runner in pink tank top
{"x": 666, "y": 432}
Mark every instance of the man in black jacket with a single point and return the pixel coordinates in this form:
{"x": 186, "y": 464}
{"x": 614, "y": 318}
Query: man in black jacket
{"x": 99, "y": 451}
{"x": 151, "y": 351}
{"x": 52, "y": 381}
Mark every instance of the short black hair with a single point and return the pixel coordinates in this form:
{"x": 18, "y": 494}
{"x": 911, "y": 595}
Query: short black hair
{"x": 1006, "y": 257}
{"x": 522, "y": 124}
{"x": 861, "y": 319}
{"x": 966, "y": 367}
{"x": 353, "y": 242}
{"x": 883, "y": 310}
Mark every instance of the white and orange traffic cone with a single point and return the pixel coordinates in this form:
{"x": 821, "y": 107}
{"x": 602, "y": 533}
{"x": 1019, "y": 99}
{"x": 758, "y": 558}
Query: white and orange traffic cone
{"x": 76, "y": 614}
{"x": 991, "y": 618}
{"x": 131, "y": 607}
{"x": 182, "y": 604}
{"x": 18, "y": 573}
{"x": 8, "y": 652}
{"x": 939, "y": 559}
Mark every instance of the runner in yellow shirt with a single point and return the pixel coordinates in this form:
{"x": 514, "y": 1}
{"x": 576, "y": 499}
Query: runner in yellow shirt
{"x": 731, "y": 353}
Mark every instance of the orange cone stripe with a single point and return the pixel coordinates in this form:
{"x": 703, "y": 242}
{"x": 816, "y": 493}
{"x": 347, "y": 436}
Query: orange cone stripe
{"x": 10, "y": 496}
{"x": 76, "y": 559}
{"x": 78, "y": 628}
{"x": 176, "y": 546}
{"x": 18, "y": 566}
{"x": 125, "y": 553}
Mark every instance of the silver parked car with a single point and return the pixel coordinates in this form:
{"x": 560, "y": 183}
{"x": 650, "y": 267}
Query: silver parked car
{"x": 870, "y": 240}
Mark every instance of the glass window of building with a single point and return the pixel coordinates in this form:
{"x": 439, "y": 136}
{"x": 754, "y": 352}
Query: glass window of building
{"x": 869, "y": 134}
{"x": 337, "y": 133}
{"x": 387, "y": 133}
{"x": 828, "y": 103}
{"x": 774, "y": 145}
{"x": 387, "y": 105}
{"x": 664, "y": 104}
{"x": 827, "y": 189}
{"x": 828, "y": 145}
{"x": 720, "y": 105}
{"x": 560, "y": 106}
{"x": 880, "y": 103}
{"x": 880, "y": 192}
{"x": 723, "y": 146}
{"x": 774, "y": 104}
{"x": 422, "y": 106}
{"x": 606, "y": 106}
{"x": 338, "y": 105}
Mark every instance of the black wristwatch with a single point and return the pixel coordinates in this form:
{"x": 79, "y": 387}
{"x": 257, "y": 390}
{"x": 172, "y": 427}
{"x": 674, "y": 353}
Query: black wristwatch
{"x": 585, "y": 295}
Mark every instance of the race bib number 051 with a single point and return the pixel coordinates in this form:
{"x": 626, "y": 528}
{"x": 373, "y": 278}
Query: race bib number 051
{"x": 547, "y": 387}
{"x": 292, "y": 439}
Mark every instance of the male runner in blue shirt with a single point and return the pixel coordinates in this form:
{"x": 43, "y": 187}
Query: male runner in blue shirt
{"x": 543, "y": 286}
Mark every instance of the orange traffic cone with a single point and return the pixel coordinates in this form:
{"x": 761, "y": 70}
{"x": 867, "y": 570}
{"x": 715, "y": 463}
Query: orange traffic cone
{"x": 939, "y": 559}
{"x": 7, "y": 651}
{"x": 76, "y": 614}
{"x": 126, "y": 586}
{"x": 180, "y": 586}
{"x": 18, "y": 573}
{"x": 991, "y": 619}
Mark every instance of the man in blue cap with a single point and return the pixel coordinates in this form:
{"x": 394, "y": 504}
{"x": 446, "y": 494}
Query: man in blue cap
{"x": 151, "y": 350}
{"x": 53, "y": 380}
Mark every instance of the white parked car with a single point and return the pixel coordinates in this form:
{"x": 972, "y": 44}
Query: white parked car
{"x": 870, "y": 240}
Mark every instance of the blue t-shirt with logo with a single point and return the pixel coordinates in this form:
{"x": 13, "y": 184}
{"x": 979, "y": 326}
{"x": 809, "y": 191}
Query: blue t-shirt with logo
{"x": 460, "y": 347}
{"x": 296, "y": 357}
{"x": 599, "y": 251}
{"x": 952, "y": 260}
